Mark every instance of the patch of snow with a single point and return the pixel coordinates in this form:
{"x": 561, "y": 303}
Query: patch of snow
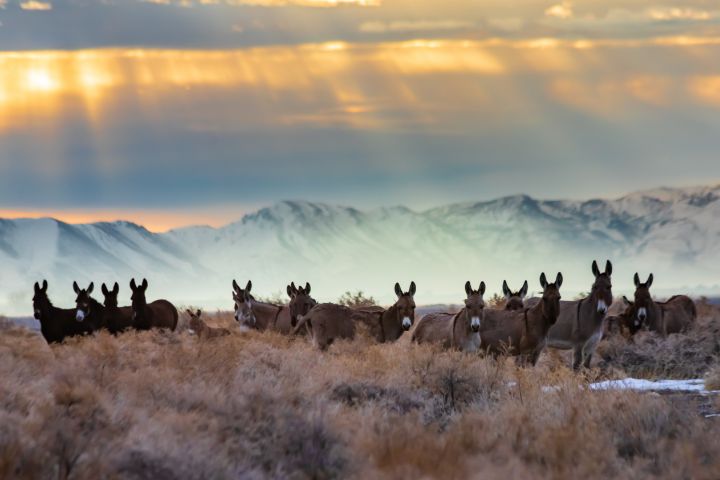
{"x": 694, "y": 385}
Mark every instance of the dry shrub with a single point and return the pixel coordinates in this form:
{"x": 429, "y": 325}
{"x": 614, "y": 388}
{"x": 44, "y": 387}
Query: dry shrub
{"x": 259, "y": 405}
{"x": 712, "y": 378}
{"x": 496, "y": 301}
{"x": 356, "y": 300}
{"x": 682, "y": 355}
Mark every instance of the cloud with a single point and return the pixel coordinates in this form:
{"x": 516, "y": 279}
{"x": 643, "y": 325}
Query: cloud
{"x": 415, "y": 26}
{"x": 678, "y": 14}
{"x": 36, "y": 5}
{"x": 270, "y": 3}
{"x": 207, "y": 24}
{"x": 510, "y": 24}
{"x": 560, "y": 10}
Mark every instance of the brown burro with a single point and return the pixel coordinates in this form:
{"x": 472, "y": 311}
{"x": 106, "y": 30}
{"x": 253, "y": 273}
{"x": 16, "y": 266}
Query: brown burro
{"x": 514, "y": 300}
{"x": 328, "y": 321}
{"x": 117, "y": 319}
{"x": 581, "y": 323}
{"x": 300, "y": 302}
{"x": 524, "y": 332}
{"x": 675, "y": 315}
{"x": 158, "y": 314}
{"x": 201, "y": 329}
{"x": 460, "y": 330}
{"x": 252, "y": 314}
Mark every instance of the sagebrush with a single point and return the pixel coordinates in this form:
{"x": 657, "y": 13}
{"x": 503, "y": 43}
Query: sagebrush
{"x": 260, "y": 405}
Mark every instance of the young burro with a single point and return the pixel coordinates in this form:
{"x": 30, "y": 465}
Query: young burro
{"x": 515, "y": 300}
{"x": 460, "y": 330}
{"x": 327, "y": 322}
{"x": 580, "y": 325}
{"x": 201, "y": 329}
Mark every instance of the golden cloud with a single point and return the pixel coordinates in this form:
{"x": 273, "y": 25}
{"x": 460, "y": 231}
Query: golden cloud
{"x": 36, "y": 5}
{"x": 561, "y": 10}
{"x": 415, "y": 26}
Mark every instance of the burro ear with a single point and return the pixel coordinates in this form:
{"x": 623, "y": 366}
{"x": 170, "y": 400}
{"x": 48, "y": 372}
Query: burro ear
{"x": 76, "y": 288}
{"x": 482, "y": 288}
{"x": 187, "y": 310}
{"x": 626, "y": 301}
{"x": 104, "y": 290}
{"x": 543, "y": 281}
{"x": 559, "y": 280}
{"x": 198, "y": 313}
{"x": 506, "y": 289}
{"x": 116, "y": 288}
{"x": 144, "y": 284}
{"x": 468, "y": 288}
{"x": 236, "y": 287}
{"x": 608, "y": 268}
{"x": 44, "y": 286}
{"x": 398, "y": 290}
{"x": 412, "y": 289}
{"x": 37, "y": 287}
{"x": 636, "y": 280}
{"x": 248, "y": 287}
{"x": 133, "y": 285}
{"x": 595, "y": 269}
{"x": 307, "y": 288}
{"x": 650, "y": 280}
{"x": 91, "y": 288}
{"x": 524, "y": 289}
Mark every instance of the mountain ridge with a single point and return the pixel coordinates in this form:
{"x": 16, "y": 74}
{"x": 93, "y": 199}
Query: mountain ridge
{"x": 670, "y": 231}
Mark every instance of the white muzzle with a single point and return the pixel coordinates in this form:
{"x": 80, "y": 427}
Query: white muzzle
{"x": 475, "y": 323}
{"x": 602, "y": 306}
{"x": 406, "y": 323}
{"x": 80, "y": 316}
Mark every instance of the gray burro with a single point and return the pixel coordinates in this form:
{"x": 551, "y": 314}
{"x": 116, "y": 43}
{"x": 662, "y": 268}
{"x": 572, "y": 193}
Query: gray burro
{"x": 581, "y": 322}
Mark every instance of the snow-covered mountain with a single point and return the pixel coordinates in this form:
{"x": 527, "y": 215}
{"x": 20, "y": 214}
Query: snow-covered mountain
{"x": 673, "y": 233}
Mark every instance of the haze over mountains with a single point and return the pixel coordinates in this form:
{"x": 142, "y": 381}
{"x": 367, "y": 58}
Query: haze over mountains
{"x": 673, "y": 233}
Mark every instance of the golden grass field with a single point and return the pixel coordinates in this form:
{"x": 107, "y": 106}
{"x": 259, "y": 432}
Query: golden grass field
{"x": 159, "y": 405}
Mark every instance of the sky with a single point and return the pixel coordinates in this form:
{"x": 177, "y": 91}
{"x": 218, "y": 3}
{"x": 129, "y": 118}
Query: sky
{"x": 175, "y": 112}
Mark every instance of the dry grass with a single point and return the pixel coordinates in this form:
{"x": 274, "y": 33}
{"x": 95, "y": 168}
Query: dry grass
{"x": 166, "y": 405}
{"x": 688, "y": 355}
{"x": 712, "y": 378}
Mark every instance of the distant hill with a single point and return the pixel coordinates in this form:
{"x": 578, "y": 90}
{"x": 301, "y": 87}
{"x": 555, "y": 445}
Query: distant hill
{"x": 674, "y": 233}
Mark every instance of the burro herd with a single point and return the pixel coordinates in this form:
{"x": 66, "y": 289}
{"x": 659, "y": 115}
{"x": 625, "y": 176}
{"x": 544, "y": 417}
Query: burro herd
{"x": 523, "y": 328}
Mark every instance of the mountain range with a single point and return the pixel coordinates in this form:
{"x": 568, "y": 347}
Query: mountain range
{"x": 672, "y": 232}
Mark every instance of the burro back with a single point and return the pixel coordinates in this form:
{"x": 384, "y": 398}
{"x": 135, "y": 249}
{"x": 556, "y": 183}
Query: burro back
{"x": 580, "y": 324}
{"x": 327, "y": 322}
{"x": 157, "y": 314}
{"x": 523, "y": 333}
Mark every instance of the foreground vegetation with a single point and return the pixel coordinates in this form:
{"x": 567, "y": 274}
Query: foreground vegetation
{"x": 167, "y": 405}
